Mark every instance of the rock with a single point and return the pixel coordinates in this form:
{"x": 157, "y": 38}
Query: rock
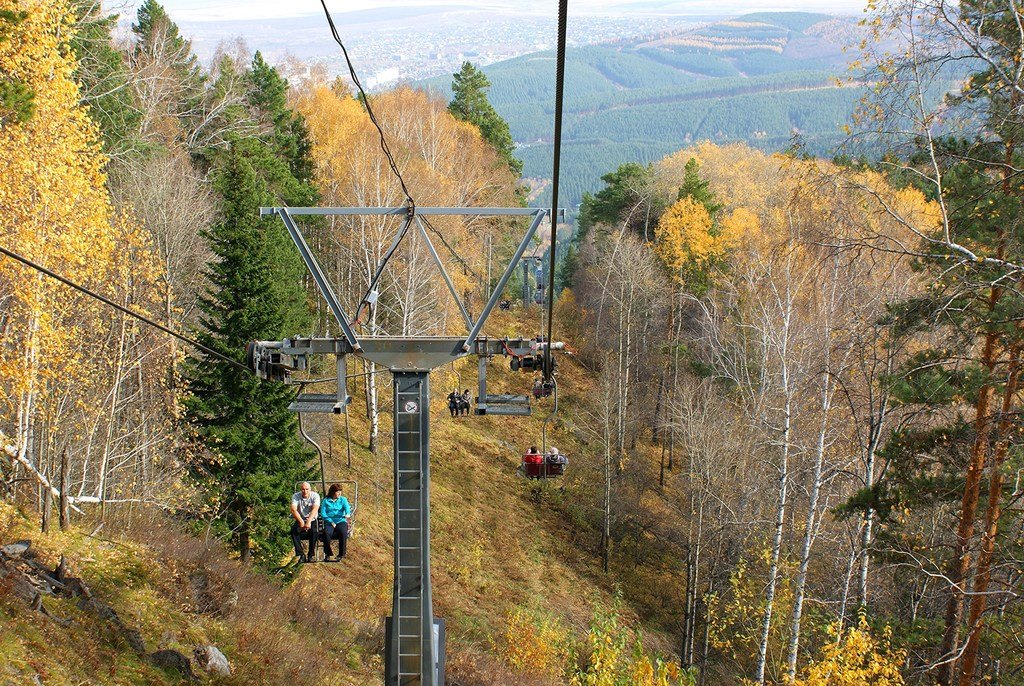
{"x": 18, "y": 583}
{"x": 123, "y": 632}
{"x": 172, "y": 659}
{"x": 16, "y": 549}
{"x": 210, "y": 659}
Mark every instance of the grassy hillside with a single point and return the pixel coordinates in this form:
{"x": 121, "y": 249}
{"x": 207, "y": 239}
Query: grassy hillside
{"x": 514, "y": 569}
{"x": 760, "y": 78}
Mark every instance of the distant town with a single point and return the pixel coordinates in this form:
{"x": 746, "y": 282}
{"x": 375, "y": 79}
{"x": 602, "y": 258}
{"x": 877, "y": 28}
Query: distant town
{"x": 386, "y": 53}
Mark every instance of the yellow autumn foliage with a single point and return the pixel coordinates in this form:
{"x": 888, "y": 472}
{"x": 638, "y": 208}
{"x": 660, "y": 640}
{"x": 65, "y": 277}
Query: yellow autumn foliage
{"x": 445, "y": 162}
{"x": 534, "y": 643}
{"x": 857, "y": 658}
{"x": 610, "y": 661}
{"x": 55, "y": 210}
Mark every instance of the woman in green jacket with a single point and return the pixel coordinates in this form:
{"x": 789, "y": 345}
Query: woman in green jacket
{"x": 335, "y": 513}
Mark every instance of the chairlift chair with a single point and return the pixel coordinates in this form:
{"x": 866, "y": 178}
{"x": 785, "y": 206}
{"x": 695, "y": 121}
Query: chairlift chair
{"x": 348, "y": 487}
{"x": 545, "y": 467}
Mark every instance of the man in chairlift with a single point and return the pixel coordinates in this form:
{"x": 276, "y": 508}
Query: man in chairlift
{"x": 464, "y": 404}
{"x": 454, "y": 402}
{"x": 305, "y": 508}
{"x": 555, "y": 461}
{"x": 335, "y": 513}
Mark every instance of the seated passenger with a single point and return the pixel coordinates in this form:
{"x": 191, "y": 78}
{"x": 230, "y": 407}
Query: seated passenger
{"x": 533, "y": 463}
{"x": 335, "y": 513}
{"x": 538, "y": 388}
{"x": 555, "y": 461}
{"x": 454, "y": 399}
{"x": 305, "y": 506}
{"x": 554, "y": 457}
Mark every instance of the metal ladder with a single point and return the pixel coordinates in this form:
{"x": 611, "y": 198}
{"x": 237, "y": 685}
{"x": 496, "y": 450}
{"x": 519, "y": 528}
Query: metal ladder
{"x": 414, "y": 644}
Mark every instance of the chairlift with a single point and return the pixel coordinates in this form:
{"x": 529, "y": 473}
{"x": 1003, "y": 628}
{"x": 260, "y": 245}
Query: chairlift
{"x": 542, "y": 388}
{"x": 350, "y": 491}
{"x": 348, "y": 486}
{"x": 526, "y": 354}
{"x": 544, "y": 466}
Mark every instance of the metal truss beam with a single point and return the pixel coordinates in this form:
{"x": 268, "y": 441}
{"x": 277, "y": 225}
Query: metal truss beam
{"x": 370, "y": 211}
{"x": 318, "y": 275}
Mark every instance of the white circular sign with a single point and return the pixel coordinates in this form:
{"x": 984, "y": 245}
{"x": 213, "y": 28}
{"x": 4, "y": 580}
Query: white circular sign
{"x": 412, "y": 406}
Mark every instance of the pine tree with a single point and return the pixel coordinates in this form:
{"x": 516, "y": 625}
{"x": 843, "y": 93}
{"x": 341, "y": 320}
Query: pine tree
{"x": 696, "y": 188}
{"x": 103, "y": 78}
{"x": 469, "y": 103}
{"x": 628, "y": 196}
{"x": 253, "y": 455}
{"x": 17, "y": 100}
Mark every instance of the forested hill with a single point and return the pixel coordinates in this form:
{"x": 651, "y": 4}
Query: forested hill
{"x": 759, "y": 78}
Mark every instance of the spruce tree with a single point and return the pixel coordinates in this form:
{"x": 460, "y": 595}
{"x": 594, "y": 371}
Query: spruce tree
{"x": 252, "y": 454}
{"x": 159, "y": 39}
{"x": 469, "y": 103}
{"x": 697, "y": 189}
{"x": 290, "y": 135}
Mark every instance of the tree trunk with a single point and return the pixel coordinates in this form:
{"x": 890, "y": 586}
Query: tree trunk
{"x": 992, "y": 515}
{"x": 961, "y": 561}
{"x": 244, "y": 544}
{"x": 606, "y": 528}
{"x": 47, "y": 497}
{"x": 115, "y": 393}
{"x": 780, "y": 522}
{"x": 65, "y": 478}
{"x": 809, "y": 527}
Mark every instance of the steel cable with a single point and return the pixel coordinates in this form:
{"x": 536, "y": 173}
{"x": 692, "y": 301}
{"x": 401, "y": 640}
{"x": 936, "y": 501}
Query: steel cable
{"x": 366, "y": 103}
{"x": 563, "y": 11}
{"x": 122, "y": 308}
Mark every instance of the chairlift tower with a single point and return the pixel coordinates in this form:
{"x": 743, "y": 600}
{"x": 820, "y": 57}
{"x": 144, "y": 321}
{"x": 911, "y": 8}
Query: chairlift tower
{"x": 415, "y": 639}
{"x": 531, "y": 265}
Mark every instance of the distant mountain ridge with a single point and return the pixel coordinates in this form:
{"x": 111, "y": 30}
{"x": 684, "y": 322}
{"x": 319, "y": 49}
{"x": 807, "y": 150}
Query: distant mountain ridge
{"x": 761, "y": 78}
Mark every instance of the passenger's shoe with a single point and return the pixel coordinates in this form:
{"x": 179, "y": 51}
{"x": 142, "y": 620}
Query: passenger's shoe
{"x": 303, "y": 558}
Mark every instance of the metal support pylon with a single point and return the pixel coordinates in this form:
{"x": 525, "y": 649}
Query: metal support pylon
{"x": 413, "y": 650}
{"x": 415, "y": 642}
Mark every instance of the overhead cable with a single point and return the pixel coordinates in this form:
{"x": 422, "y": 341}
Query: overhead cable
{"x": 369, "y": 110}
{"x": 456, "y": 255}
{"x": 122, "y": 308}
{"x": 563, "y": 11}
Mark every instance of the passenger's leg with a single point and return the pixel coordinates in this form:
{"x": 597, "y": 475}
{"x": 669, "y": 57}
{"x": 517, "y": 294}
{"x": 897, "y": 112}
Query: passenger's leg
{"x": 314, "y": 534}
{"x": 328, "y": 532}
{"x": 297, "y": 539}
{"x": 342, "y": 539}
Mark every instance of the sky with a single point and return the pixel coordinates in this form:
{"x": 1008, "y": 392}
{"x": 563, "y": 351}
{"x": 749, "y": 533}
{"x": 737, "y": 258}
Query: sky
{"x": 221, "y": 10}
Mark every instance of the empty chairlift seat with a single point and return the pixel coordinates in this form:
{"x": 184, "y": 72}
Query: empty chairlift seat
{"x": 518, "y": 405}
